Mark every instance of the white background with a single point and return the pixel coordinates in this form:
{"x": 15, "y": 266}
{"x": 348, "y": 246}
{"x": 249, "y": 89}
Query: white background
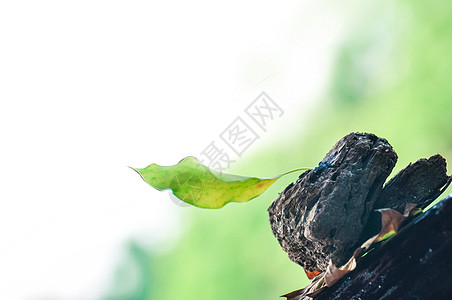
{"x": 88, "y": 88}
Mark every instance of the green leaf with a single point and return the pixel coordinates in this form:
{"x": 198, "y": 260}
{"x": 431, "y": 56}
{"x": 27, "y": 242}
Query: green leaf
{"x": 200, "y": 186}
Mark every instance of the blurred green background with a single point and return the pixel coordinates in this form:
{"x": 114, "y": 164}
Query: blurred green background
{"x": 390, "y": 78}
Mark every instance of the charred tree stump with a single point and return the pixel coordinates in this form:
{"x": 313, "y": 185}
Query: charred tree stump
{"x": 328, "y": 212}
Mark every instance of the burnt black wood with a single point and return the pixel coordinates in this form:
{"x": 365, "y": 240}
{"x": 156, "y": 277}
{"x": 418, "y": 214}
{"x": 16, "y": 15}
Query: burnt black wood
{"x": 419, "y": 183}
{"x": 322, "y": 215}
{"x": 325, "y": 214}
{"x": 415, "y": 264}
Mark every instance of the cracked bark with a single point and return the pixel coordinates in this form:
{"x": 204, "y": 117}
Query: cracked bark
{"x": 327, "y": 212}
{"x": 415, "y": 264}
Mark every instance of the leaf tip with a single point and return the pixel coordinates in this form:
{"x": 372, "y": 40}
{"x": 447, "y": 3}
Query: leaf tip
{"x": 135, "y": 169}
{"x": 138, "y": 170}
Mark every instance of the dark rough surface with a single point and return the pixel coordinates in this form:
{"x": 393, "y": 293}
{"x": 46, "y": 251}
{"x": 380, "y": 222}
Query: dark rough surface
{"x": 415, "y": 264}
{"x": 322, "y": 215}
{"x": 419, "y": 183}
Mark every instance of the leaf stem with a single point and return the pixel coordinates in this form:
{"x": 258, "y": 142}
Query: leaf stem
{"x": 296, "y": 170}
